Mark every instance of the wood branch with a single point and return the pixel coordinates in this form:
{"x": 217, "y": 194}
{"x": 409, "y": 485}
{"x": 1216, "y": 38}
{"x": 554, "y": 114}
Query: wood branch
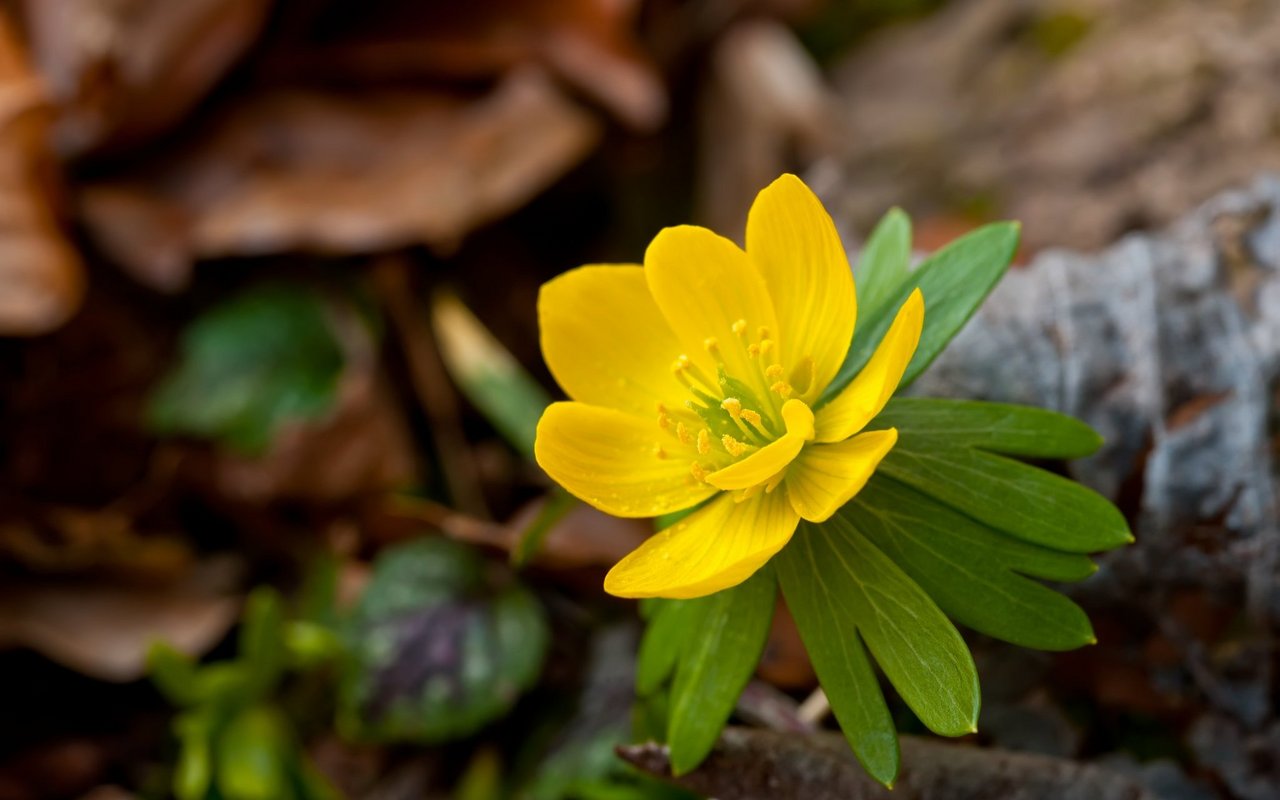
{"x": 752, "y": 764}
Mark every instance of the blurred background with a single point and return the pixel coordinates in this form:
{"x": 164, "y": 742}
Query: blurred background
{"x": 270, "y": 366}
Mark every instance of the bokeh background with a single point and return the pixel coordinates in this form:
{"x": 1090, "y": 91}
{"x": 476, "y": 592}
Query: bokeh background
{"x": 268, "y": 272}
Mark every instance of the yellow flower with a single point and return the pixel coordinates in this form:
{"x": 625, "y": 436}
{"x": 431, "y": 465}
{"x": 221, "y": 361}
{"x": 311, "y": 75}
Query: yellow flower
{"x": 697, "y": 377}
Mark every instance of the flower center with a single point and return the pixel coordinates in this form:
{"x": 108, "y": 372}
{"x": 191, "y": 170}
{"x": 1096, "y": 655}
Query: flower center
{"x": 732, "y": 417}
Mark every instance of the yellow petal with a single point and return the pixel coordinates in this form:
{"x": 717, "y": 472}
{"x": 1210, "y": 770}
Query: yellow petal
{"x": 704, "y": 283}
{"x": 606, "y": 342}
{"x": 766, "y": 462}
{"x": 826, "y": 476}
{"x": 609, "y": 459}
{"x": 862, "y": 399}
{"x": 715, "y": 547}
{"x": 793, "y": 242}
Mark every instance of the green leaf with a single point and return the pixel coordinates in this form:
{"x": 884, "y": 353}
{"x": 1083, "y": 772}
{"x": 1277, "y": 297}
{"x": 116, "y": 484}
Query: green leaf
{"x": 670, "y": 623}
{"x": 247, "y": 367}
{"x": 1001, "y": 427}
{"x": 255, "y": 754}
{"x": 828, "y": 628}
{"x": 1015, "y": 498}
{"x": 262, "y": 640}
{"x": 173, "y": 672}
{"x": 919, "y": 650}
{"x": 193, "y": 774}
{"x": 488, "y": 375}
{"x": 955, "y": 280}
{"x": 971, "y": 571}
{"x": 884, "y": 265}
{"x": 438, "y": 647}
{"x": 716, "y": 664}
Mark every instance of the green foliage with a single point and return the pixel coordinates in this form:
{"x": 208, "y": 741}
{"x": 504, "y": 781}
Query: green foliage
{"x": 951, "y": 527}
{"x": 715, "y": 664}
{"x": 954, "y": 281}
{"x": 437, "y": 648}
{"x": 248, "y": 366}
{"x": 488, "y": 375}
{"x": 234, "y": 742}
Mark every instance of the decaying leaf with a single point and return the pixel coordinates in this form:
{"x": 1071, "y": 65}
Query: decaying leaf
{"x": 334, "y": 173}
{"x": 122, "y": 71}
{"x": 104, "y": 628}
{"x": 41, "y": 277}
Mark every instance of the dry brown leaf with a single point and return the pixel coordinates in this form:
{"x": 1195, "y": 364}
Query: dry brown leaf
{"x": 334, "y": 173}
{"x": 104, "y": 628}
{"x": 123, "y": 71}
{"x": 589, "y": 43}
{"x": 41, "y": 277}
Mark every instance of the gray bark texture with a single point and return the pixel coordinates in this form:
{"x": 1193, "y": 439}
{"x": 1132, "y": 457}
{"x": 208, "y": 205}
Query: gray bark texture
{"x": 1169, "y": 345}
{"x": 767, "y": 765}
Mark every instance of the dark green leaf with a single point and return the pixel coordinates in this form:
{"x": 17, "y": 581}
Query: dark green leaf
{"x": 971, "y": 571}
{"x": 489, "y": 375}
{"x": 247, "y": 367}
{"x": 884, "y": 264}
{"x": 437, "y": 649}
{"x": 716, "y": 664}
{"x": 828, "y": 627}
{"x": 1001, "y": 427}
{"x": 670, "y": 623}
{"x": 1015, "y": 498}
{"x": 955, "y": 280}
{"x": 255, "y": 753}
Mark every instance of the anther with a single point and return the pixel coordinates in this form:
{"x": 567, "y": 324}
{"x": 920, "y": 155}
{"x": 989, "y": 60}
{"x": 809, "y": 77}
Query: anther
{"x": 704, "y": 442}
{"x": 782, "y": 388}
{"x": 735, "y": 447}
{"x": 764, "y": 333}
{"x": 658, "y": 452}
{"x": 734, "y": 406}
{"x": 774, "y": 372}
{"x": 753, "y": 349}
{"x": 751, "y": 416}
{"x": 664, "y": 421}
{"x": 697, "y": 471}
{"x": 766, "y": 346}
{"x": 740, "y": 327}
{"x": 683, "y": 434}
{"x": 712, "y": 344}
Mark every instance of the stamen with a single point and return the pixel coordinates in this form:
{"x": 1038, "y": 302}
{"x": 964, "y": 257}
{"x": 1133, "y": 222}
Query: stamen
{"x": 735, "y": 447}
{"x": 766, "y": 346}
{"x": 782, "y": 388}
{"x": 698, "y": 472}
{"x": 751, "y": 417}
{"x": 753, "y": 350}
{"x": 704, "y": 442}
{"x": 712, "y": 344}
{"x": 774, "y": 372}
{"x": 658, "y": 452}
{"x": 664, "y": 421}
{"x": 734, "y": 406}
{"x": 683, "y": 433}
{"x": 740, "y": 327}
{"x": 764, "y": 333}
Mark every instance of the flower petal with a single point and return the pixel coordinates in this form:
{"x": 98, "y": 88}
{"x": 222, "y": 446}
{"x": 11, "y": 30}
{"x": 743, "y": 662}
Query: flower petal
{"x": 715, "y": 547}
{"x": 608, "y": 458}
{"x": 704, "y": 283}
{"x": 826, "y": 476}
{"x": 766, "y": 462}
{"x": 793, "y": 242}
{"x": 606, "y": 342}
{"x": 862, "y": 399}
